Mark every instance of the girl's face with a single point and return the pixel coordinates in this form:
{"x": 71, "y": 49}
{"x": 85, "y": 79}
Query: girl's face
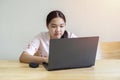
{"x": 56, "y": 28}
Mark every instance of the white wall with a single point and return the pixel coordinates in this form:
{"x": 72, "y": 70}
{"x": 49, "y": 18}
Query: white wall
{"x": 21, "y": 20}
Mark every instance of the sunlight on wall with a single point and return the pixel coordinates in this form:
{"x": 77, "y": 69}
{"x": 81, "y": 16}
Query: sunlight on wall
{"x": 96, "y": 17}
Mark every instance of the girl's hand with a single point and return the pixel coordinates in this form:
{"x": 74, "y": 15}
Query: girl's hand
{"x": 44, "y": 58}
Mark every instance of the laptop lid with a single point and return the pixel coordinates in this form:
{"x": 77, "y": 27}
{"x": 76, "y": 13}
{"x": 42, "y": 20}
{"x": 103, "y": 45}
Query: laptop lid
{"x": 72, "y": 52}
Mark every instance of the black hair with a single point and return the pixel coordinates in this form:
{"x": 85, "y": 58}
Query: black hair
{"x": 65, "y": 35}
{"x": 54, "y": 14}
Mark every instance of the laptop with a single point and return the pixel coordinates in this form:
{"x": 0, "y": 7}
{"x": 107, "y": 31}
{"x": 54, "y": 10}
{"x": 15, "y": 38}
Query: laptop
{"x": 69, "y": 53}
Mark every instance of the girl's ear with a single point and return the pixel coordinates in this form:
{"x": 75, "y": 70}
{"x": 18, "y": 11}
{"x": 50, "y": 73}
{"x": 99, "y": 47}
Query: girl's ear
{"x": 65, "y": 35}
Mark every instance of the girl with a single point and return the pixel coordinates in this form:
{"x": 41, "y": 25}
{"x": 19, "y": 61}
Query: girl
{"x": 38, "y": 50}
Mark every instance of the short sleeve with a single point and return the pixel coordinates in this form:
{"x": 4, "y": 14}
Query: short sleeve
{"x": 71, "y": 35}
{"x": 33, "y": 46}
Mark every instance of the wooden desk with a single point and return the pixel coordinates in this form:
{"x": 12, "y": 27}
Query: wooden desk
{"x": 103, "y": 70}
{"x": 110, "y": 50}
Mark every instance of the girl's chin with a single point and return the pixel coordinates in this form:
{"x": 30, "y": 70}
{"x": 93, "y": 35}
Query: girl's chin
{"x": 57, "y": 37}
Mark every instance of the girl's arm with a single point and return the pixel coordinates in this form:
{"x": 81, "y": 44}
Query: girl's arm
{"x": 27, "y": 58}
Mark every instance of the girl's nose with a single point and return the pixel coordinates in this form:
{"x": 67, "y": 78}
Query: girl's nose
{"x": 58, "y": 29}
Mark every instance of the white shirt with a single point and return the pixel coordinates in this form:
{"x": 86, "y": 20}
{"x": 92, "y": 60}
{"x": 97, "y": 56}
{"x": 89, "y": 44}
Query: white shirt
{"x": 41, "y": 43}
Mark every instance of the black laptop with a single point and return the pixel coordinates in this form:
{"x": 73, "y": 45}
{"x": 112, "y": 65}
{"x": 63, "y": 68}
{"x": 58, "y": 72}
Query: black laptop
{"x": 69, "y": 53}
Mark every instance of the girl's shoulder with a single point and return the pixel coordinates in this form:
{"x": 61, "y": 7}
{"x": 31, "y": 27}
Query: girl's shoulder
{"x": 42, "y": 35}
{"x": 71, "y": 35}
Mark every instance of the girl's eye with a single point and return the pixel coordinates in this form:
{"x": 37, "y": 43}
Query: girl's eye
{"x": 53, "y": 26}
{"x": 61, "y": 26}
